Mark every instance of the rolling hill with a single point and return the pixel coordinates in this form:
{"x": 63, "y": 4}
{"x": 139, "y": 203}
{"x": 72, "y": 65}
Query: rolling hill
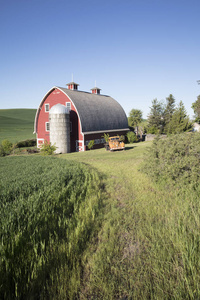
{"x": 17, "y": 124}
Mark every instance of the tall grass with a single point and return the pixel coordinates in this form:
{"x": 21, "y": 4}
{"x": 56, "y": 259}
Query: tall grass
{"x": 148, "y": 246}
{"x": 119, "y": 236}
{"x": 48, "y": 214}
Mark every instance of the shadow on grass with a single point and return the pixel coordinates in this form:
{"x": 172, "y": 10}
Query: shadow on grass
{"x": 129, "y": 148}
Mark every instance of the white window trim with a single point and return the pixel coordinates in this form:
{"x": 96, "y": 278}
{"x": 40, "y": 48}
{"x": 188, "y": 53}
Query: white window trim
{"x": 68, "y": 105}
{"x": 46, "y": 126}
{"x": 47, "y": 105}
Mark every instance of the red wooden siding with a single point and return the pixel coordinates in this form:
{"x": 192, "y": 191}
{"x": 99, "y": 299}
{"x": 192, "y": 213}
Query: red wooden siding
{"x": 57, "y": 96}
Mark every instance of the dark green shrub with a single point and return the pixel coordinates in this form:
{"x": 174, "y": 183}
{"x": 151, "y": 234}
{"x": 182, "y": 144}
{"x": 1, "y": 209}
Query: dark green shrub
{"x": 153, "y": 130}
{"x": 26, "y": 143}
{"x": 7, "y": 146}
{"x": 132, "y": 138}
{"x": 175, "y": 160}
{"x": 32, "y": 150}
{"x": 2, "y": 152}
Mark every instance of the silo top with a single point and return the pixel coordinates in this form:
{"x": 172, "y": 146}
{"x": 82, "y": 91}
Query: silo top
{"x": 59, "y": 109}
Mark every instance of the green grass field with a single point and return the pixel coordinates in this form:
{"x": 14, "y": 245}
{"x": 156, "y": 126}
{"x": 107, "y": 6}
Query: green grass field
{"x": 134, "y": 238}
{"x": 148, "y": 246}
{"x": 48, "y": 214}
{"x": 17, "y": 124}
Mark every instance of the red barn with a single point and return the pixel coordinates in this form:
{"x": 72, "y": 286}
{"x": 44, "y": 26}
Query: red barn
{"x": 90, "y": 116}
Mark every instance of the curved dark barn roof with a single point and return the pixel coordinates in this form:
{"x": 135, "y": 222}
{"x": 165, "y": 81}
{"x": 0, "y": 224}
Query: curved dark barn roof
{"x": 97, "y": 112}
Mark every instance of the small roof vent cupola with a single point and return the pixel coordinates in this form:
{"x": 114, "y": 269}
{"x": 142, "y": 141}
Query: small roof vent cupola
{"x": 72, "y": 85}
{"x": 95, "y": 90}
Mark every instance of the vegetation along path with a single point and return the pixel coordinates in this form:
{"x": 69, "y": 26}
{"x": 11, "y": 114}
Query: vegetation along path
{"x": 93, "y": 225}
{"x": 144, "y": 249}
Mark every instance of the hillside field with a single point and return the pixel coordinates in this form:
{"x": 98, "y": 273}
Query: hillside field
{"x": 17, "y": 124}
{"x": 94, "y": 225}
{"x": 149, "y": 243}
{"x": 111, "y": 231}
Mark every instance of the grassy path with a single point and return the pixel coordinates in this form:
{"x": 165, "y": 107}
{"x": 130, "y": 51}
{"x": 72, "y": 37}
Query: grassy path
{"x": 141, "y": 250}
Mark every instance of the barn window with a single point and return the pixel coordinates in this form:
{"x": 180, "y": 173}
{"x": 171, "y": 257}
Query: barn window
{"x": 46, "y": 107}
{"x": 97, "y": 141}
{"x": 47, "y": 126}
{"x": 68, "y": 105}
{"x": 102, "y": 140}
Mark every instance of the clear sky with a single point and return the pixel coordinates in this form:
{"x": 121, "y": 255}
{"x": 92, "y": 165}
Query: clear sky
{"x": 135, "y": 50}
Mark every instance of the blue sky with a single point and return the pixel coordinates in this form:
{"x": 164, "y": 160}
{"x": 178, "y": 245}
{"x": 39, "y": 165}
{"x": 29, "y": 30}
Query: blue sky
{"x": 135, "y": 50}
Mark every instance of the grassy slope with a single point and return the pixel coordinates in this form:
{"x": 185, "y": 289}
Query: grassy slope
{"x": 48, "y": 214}
{"x": 148, "y": 244}
{"x": 17, "y": 124}
{"x": 142, "y": 249}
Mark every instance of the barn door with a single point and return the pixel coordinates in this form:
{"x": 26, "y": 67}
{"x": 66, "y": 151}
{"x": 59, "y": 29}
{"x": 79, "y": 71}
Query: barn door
{"x": 40, "y": 142}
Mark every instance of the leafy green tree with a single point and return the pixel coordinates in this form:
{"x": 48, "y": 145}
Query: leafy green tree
{"x": 155, "y": 117}
{"x": 180, "y": 121}
{"x": 135, "y": 118}
{"x": 169, "y": 111}
{"x": 196, "y": 108}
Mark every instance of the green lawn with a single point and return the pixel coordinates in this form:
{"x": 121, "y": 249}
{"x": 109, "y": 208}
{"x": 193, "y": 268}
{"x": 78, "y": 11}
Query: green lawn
{"x": 148, "y": 246}
{"x": 48, "y": 214}
{"x": 147, "y": 240}
{"x": 17, "y": 124}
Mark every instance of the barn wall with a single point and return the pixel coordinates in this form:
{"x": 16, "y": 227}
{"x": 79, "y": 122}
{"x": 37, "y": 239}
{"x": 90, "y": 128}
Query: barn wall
{"x": 55, "y": 97}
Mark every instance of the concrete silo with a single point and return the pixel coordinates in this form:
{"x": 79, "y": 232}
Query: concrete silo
{"x": 59, "y": 119}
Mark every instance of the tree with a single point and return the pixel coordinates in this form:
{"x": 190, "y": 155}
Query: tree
{"x": 196, "y": 108}
{"x": 180, "y": 121}
{"x": 155, "y": 117}
{"x": 142, "y": 128}
{"x": 135, "y": 118}
{"x": 169, "y": 111}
